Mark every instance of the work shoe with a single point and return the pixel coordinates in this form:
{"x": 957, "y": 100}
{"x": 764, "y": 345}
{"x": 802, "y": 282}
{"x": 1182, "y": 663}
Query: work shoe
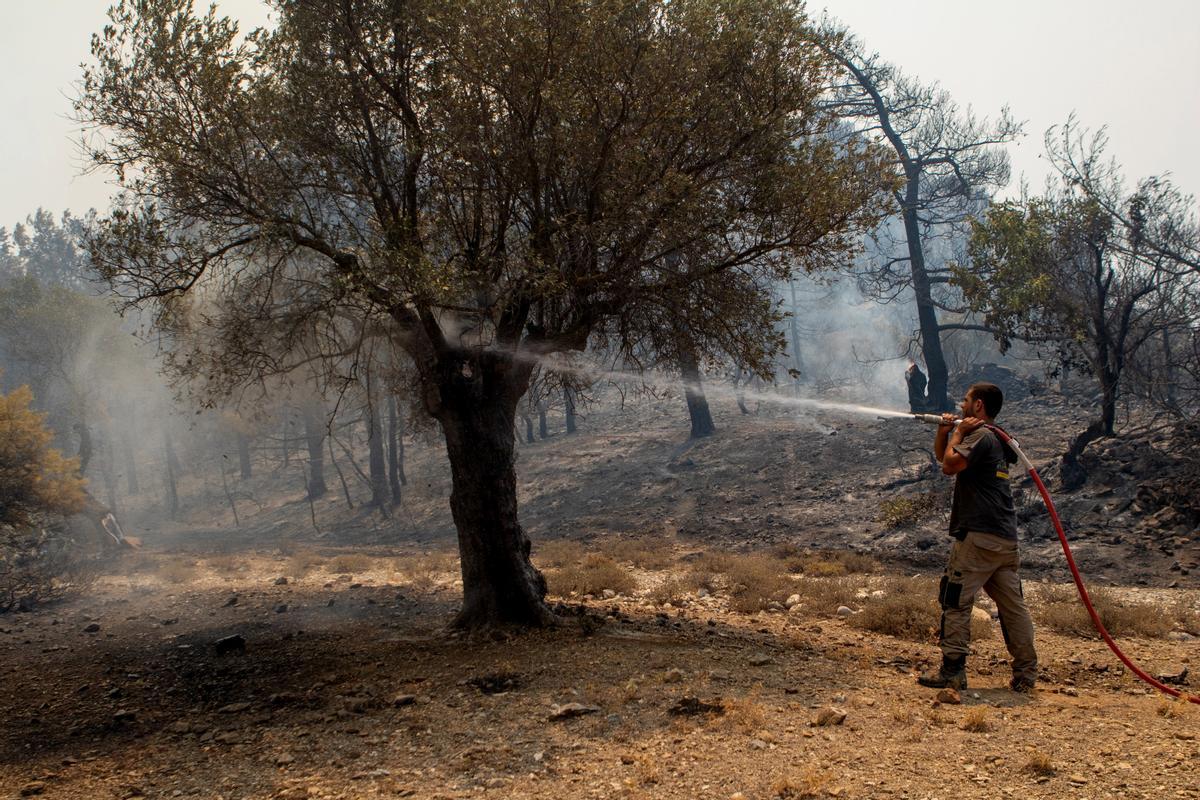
{"x": 951, "y": 675}
{"x": 1021, "y": 685}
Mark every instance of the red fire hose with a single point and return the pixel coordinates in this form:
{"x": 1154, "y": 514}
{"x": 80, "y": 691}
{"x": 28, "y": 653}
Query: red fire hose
{"x": 1083, "y": 594}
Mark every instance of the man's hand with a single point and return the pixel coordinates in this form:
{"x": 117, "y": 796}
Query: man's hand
{"x": 948, "y": 420}
{"x": 969, "y": 424}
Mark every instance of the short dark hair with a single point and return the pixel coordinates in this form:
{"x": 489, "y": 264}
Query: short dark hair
{"x": 990, "y": 394}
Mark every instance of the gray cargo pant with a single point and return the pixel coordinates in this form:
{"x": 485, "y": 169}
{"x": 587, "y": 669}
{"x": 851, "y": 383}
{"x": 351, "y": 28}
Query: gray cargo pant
{"x": 989, "y": 562}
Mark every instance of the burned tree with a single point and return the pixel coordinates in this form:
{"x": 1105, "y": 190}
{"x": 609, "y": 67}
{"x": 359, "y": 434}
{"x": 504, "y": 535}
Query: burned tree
{"x": 489, "y": 183}
{"x": 1068, "y": 273}
{"x": 949, "y": 161}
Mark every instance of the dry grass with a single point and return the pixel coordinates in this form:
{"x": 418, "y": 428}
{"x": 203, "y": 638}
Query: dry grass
{"x": 423, "y": 573}
{"x": 592, "y": 575}
{"x": 178, "y": 571}
{"x": 1059, "y": 608}
{"x": 1039, "y": 764}
{"x": 977, "y": 720}
{"x": 645, "y": 552}
{"x": 826, "y": 594}
{"x": 813, "y": 782}
{"x": 303, "y": 562}
{"x": 351, "y": 564}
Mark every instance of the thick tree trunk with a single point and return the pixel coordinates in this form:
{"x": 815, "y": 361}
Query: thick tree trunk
{"x": 314, "y": 437}
{"x": 243, "y": 446}
{"x": 477, "y": 411}
{"x": 393, "y": 449}
{"x": 697, "y": 403}
{"x": 569, "y": 405}
{"x": 938, "y": 398}
{"x": 543, "y": 427}
{"x": 528, "y": 428}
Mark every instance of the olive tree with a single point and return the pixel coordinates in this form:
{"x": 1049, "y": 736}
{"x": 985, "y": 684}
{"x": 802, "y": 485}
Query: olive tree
{"x": 483, "y": 182}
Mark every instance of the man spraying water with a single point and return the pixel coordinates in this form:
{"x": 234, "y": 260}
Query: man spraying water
{"x": 984, "y": 553}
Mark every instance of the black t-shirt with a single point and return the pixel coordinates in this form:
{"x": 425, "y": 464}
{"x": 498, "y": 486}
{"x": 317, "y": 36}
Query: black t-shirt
{"x": 982, "y": 495}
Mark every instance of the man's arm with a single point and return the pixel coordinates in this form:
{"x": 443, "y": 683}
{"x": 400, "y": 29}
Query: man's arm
{"x": 948, "y": 438}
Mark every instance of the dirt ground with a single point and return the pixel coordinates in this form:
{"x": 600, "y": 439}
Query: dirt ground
{"x": 346, "y": 684}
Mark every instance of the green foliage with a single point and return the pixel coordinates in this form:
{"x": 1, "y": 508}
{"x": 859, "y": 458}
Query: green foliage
{"x": 34, "y": 477}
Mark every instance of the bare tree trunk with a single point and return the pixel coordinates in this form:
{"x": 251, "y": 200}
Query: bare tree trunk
{"x": 697, "y": 403}
{"x": 313, "y": 414}
{"x": 500, "y": 584}
{"x": 375, "y": 449}
{"x": 393, "y": 449}
{"x": 243, "y": 446}
{"x": 341, "y": 475}
{"x": 543, "y": 428}
{"x": 131, "y": 476}
{"x": 1074, "y": 475}
{"x": 171, "y": 475}
{"x": 528, "y": 428}
{"x": 569, "y": 404}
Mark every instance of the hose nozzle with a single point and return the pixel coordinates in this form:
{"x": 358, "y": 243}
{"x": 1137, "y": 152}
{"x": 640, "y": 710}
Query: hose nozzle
{"x": 931, "y": 419}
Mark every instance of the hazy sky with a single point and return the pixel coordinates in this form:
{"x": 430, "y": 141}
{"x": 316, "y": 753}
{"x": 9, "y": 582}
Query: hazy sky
{"x": 1134, "y": 66}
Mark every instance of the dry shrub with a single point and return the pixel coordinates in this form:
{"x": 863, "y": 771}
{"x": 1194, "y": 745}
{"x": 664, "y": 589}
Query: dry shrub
{"x": 1174, "y": 709}
{"x": 303, "y": 562}
{"x": 908, "y": 609}
{"x": 824, "y": 563}
{"x": 903, "y": 714}
{"x": 746, "y": 714}
{"x": 676, "y": 588}
{"x": 424, "y": 572}
{"x": 351, "y": 564}
{"x": 226, "y": 565}
{"x": 177, "y": 571}
{"x": 40, "y": 565}
{"x": 1039, "y": 764}
{"x": 559, "y": 552}
{"x": 592, "y": 575}
{"x": 904, "y": 512}
{"x": 646, "y": 552}
{"x": 1060, "y": 609}
{"x": 976, "y": 720}
{"x": 827, "y": 594}
{"x": 756, "y": 581}
{"x": 813, "y": 782}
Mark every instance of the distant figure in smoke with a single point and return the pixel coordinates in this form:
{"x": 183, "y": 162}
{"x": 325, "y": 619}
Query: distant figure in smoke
{"x": 916, "y": 387}
{"x": 984, "y": 554}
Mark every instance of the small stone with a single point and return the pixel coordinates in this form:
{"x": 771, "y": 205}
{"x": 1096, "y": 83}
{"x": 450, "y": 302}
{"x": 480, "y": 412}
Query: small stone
{"x": 673, "y": 675}
{"x": 92, "y": 627}
{"x": 760, "y": 660}
{"x": 702, "y": 592}
{"x": 401, "y": 700}
{"x": 609, "y": 594}
{"x": 792, "y": 601}
{"x": 232, "y": 601}
{"x": 124, "y": 715}
{"x": 829, "y": 715}
{"x": 283, "y": 759}
{"x": 1180, "y": 636}
{"x": 1077, "y": 778}
{"x": 33, "y": 788}
{"x": 949, "y": 697}
{"x": 180, "y": 727}
{"x": 568, "y": 710}
{"x": 233, "y": 708}
{"x": 844, "y": 611}
{"x": 758, "y": 744}
{"x": 281, "y": 608}
{"x": 281, "y": 581}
